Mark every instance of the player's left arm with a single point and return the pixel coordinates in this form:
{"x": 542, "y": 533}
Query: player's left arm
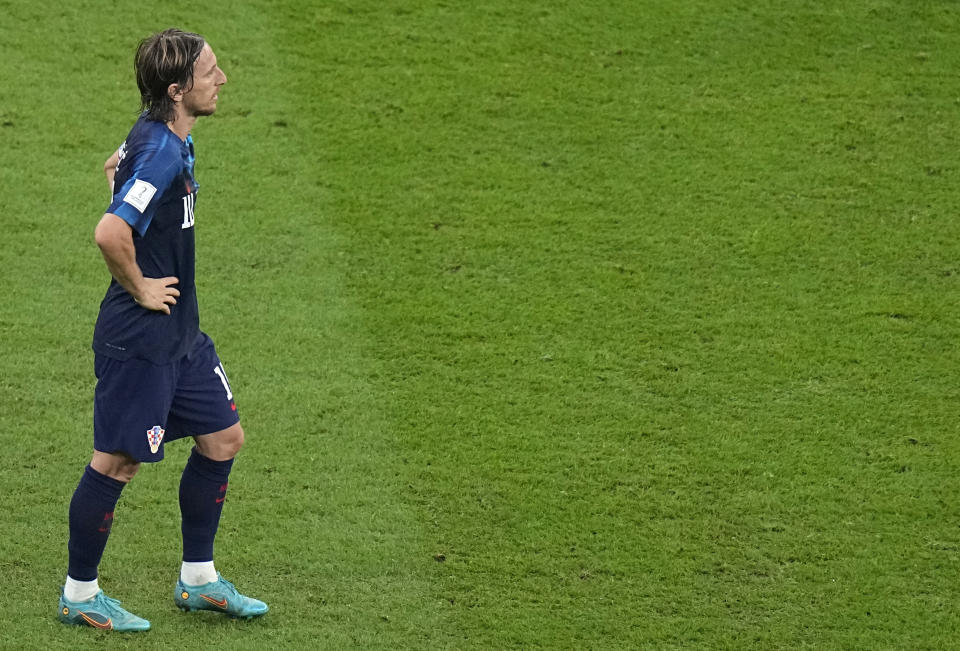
{"x": 110, "y": 168}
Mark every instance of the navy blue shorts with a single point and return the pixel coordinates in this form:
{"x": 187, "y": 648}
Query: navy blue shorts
{"x": 138, "y": 406}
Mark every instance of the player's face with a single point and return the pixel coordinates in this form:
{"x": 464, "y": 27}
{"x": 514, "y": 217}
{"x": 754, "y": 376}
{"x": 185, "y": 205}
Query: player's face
{"x": 201, "y": 99}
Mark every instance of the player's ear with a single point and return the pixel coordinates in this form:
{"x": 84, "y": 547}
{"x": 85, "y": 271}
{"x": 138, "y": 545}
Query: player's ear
{"x": 175, "y": 92}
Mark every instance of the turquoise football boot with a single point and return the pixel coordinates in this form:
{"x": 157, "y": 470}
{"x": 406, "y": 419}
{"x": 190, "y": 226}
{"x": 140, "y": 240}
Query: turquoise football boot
{"x": 219, "y": 596}
{"x": 102, "y": 612}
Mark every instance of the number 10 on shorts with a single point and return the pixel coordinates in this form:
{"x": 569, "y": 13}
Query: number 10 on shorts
{"x": 223, "y": 378}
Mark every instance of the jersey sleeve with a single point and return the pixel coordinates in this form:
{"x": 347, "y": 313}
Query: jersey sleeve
{"x": 136, "y": 200}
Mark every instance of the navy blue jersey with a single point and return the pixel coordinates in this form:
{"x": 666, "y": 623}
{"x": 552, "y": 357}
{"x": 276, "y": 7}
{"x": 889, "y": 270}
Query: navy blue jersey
{"x": 155, "y": 192}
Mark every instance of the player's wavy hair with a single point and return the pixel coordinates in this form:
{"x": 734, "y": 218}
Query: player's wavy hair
{"x": 163, "y": 59}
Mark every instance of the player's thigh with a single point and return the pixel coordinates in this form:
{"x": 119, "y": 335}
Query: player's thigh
{"x": 131, "y": 404}
{"x": 204, "y": 402}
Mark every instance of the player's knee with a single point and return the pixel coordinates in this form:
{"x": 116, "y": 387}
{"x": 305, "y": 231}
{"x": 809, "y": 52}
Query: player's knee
{"x": 126, "y": 473}
{"x": 117, "y": 466}
{"x": 235, "y": 442}
{"x": 222, "y": 445}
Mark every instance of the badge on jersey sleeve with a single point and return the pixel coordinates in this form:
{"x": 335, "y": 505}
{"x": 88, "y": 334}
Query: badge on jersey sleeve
{"x": 140, "y": 194}
{"x": 154, "y": 436}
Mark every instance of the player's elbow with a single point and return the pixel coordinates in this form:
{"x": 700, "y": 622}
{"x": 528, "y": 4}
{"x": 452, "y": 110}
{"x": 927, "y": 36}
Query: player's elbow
{"x": 110, "y": 232}
{"x": 101, "y": 236}
{"x": 111, "y": 163}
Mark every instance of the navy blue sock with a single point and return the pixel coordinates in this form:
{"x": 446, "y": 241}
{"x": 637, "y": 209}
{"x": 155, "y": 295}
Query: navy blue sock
{"x": 91, "y": 516}
{"x": 203, "y": 488}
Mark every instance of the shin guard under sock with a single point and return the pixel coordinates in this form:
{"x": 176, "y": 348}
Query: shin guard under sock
{"x": 91, "y": 517}
{"x": 203, "y": 488}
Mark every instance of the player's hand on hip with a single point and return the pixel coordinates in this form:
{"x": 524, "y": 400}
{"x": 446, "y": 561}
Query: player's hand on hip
{"x": 158, "y": 294}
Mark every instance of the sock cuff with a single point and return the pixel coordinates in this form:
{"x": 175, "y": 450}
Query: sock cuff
{"x": 217, "y": 471}
{"x": 106, "y": 486}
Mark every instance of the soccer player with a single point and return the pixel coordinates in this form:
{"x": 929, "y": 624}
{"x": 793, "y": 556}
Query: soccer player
{"x": 158, "y": 376}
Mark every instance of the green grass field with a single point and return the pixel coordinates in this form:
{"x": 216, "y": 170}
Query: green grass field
{"x": 560, "y": 325}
